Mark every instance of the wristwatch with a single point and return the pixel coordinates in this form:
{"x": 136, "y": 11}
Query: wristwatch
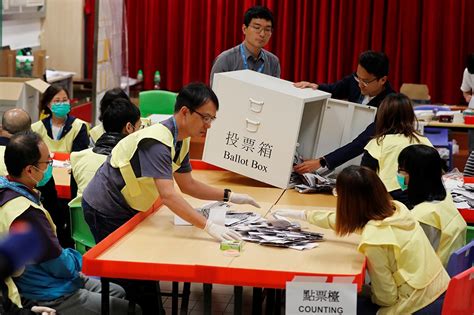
{"x": 322, "y": 161}
{"x": 226, "y": 194}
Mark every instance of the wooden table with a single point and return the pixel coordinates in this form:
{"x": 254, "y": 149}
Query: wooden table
{"x": 450, "y": 125}
{"x": 150, "y": 247}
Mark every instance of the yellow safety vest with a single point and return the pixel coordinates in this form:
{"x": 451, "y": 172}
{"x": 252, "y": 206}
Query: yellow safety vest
{"x": 65, "y": 143}
{"x": 8, "y": 213}
{"x": 96, "y": 132}
{"x": 407, "y": 241}
{"x": 140, "y": 193}
{"x": 3, "y": 167}
{"x": 84, "y": 165}
{"x": 386, "y": 153}
{"x": 445, "y": 217}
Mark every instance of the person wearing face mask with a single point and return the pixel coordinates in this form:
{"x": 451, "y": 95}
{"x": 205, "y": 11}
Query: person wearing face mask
{"x": 53, "y": 280}
{"x": 420, "y": 171}
{"x": 60, "y": 131}
{"x": 120, "y": 119}
{"x": 406, "y": 275}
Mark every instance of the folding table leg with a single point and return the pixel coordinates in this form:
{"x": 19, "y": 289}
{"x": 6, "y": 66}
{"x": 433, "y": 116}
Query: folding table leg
{"x": 270, "y": 306}
{"x": 238, "y": 297}
{"x": 185, "y": 298}
{"x": 174, "y": 298}
{"x": 207, "y": 287}
{"x": 105, "y": 295}
{"x": 257, "y": 301}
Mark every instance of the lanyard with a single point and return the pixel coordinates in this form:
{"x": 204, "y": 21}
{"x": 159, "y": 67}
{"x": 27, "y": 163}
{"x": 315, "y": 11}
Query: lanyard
{"x": 19, "y": 188}
{"x": 244, "y": 60}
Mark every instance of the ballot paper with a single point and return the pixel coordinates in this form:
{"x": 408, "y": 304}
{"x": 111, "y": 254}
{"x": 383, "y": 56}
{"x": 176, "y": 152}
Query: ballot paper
{"x": 214, "y": 211}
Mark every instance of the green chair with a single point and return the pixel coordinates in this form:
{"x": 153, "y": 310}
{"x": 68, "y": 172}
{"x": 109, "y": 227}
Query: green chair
{"x": 80, "y": 231}
{"x": 156, "y": 102}
{"x": 469, "y": 234}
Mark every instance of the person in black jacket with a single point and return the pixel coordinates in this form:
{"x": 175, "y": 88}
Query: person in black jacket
{"x": 368, "y": 85}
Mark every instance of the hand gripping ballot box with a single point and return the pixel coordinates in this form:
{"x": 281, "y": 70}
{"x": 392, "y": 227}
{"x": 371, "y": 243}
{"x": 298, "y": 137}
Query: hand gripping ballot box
{"x": 262, "y": 120}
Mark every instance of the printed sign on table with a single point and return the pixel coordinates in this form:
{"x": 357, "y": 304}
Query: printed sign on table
{"x": 320, "y": 298}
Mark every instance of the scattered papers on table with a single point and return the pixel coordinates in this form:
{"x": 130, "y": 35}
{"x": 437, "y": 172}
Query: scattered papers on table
{"x": 463, "y": 194}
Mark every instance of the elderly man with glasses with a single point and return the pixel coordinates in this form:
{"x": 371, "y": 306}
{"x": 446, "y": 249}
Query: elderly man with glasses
{"x": 257, "y": 29}
{"x": 368, "y": 85}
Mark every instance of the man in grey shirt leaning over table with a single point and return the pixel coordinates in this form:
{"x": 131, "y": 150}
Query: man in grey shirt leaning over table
{"x": 257, "y": 30}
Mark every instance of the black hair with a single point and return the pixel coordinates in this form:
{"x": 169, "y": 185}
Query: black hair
{"x": 48, "y": 95}
{"x": 470, "y": 63}
{"x": 375, "y": 63}
{"x": 194, "y": 95}
{"x": 120, "y": 112}
{"x": 108, "y": 98}
{"x": 424, "y": 167}
{"x": 22, "y": 150}
{"x": 258, "y": 12}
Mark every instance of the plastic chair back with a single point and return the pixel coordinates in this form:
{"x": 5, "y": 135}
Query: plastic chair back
{"x": 469, "y": 234}
{"x": 80, "y": 231}
{"x": 461, "y": 260}
{"x": 416, "y": 92}
{"x": 156, "y": 102}
{"x": 459, "y": 297}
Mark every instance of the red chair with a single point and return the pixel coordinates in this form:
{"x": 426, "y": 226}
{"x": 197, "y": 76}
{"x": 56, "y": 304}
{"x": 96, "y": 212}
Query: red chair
{"x": 459, "y": 297}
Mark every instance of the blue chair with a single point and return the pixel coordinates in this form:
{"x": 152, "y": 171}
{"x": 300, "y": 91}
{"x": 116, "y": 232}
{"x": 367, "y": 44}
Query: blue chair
{"x": 461, "y": 260}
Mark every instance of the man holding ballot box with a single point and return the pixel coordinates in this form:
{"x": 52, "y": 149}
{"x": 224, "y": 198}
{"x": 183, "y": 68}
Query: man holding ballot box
{"x": 368, "y": 86}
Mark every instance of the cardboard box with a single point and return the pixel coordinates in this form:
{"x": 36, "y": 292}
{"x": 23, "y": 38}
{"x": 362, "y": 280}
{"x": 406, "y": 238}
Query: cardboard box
{"x": 23, "y": 93}
{"x": 262, "y": 120}
{"x": 8, "y": 63}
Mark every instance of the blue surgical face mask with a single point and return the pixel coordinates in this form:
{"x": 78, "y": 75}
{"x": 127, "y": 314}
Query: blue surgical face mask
{"x": 61, "y": 109}
{"x": 401, "y": 182}
{"x": 47, "y": 174}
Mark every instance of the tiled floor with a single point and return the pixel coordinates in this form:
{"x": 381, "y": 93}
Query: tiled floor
{"x": 222, "y": 299}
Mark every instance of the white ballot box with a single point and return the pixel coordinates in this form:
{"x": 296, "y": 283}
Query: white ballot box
{"x": 262, "y": 120}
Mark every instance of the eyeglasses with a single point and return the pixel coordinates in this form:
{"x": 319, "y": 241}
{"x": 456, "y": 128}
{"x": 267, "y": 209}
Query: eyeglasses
{"x": 50, "y": 162}
{"x": 259, "y": 28}
{"x": 363, "y": 82}
{"x": 207, "y": 119}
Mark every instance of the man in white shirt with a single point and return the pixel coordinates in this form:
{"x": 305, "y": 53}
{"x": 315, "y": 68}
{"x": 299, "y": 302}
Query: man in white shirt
{"x": 467, "y": 86}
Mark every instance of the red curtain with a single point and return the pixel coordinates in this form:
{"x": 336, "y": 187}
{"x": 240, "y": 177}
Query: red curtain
{"x": 427, "y": 41}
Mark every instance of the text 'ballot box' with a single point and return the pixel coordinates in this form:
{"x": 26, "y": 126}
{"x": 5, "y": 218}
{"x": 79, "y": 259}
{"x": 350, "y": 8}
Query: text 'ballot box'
{"x": 262, "y": 120}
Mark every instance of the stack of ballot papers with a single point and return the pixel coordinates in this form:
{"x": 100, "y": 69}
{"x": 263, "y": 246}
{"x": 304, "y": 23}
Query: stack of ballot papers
{"x": 462, "y": 193}
{"x": 278, "y": 232}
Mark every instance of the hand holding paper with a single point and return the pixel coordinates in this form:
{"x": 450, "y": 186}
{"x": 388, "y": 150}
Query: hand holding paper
{"x": 220, "y": 232}
{"x": 243, "y": 199}
{"x": 290, "y": 213}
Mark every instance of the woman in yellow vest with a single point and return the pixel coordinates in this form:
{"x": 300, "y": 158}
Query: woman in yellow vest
{"x": 419, "y": 174}
{"x": 60, "y": 131}
{"x": 394, "y": 130}
{"x": 406, "y": 275}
